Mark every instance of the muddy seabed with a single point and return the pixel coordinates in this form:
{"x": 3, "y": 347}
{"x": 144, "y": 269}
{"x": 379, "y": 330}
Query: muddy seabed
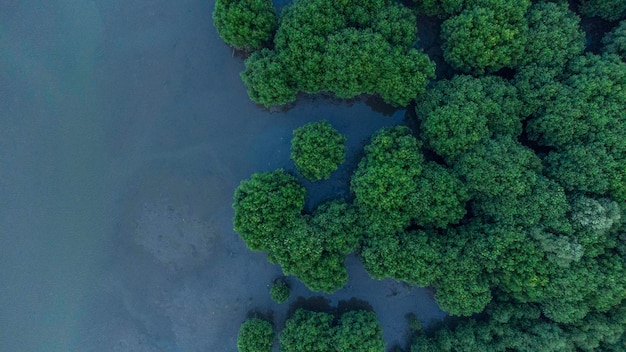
{"x": 125, "y": 133}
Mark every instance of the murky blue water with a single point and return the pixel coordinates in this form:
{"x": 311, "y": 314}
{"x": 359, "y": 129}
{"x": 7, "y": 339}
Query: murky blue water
{"x": 124, "y": 130}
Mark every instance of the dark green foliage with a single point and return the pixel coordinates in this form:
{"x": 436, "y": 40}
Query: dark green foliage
{"x": 268, "y": 217}
{"x": 487, "y": 36}
{"x": 392, "y": 192}
{"x": 265, "y": 206}
{"x": 353, "y": 56}
{"x": 280, "y": 292}
{"x": 463, "y": 290}
{"x": 412, "y": 257}
{"x": 317, "y": 149}
{"x": 307, "y": 331}
{"x": 521, "y": 327}
{"x": 588, "y": 108}
{"x": 441, "y": 8}
{"x": 347, "y": 48}
{"x": 255, "y": 335}
{"x": 537, "y": 86}
{"x": 500, "y": 167}
{"x": 340, "y": 224}
{"x": 357, "y": 331}
{"x": 545, "y": 205}
{"x": 615, "y": 41}
{"x": 587, "y": 168}
{"x": 440, "y": 197}
{"x": 268, "y": 83}
{"x": 465, "y": 111}
{"x": 586, "y": 125}
{"x": 386, "y": 179}
{"x": 554, "y": 34}
{"x": 609, "y": 10}
{"x": 315, "y": 248}
{"x": 245, "y": 24}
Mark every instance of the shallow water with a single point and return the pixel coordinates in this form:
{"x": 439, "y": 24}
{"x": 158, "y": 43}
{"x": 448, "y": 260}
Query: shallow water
{"x": 124, "y": 131}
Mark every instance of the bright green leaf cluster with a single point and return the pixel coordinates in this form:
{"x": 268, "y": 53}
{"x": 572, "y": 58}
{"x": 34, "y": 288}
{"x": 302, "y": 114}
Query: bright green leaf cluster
{"x": 268, "y": 216}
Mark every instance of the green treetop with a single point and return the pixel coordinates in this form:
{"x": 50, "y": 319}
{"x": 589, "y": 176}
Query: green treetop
{"x": 386, "y": 179}
{"x": 265, "y": 206}
{"x": 554, "y": 34}
{"x": 255, "y": 335}
{"x": 317, "y": 149}
{"x": 502, "y": 166}
{"x": 308, "y": 331}
{"x": 585, "y": 125}
{"x": 458, "y": 114}
{"x": 486, "y": 37}
{"x": 356, "y": 331}
{"x": 280, "y": 292}
{"x": 344, "y": 47}
{"x": 245, "y": 24}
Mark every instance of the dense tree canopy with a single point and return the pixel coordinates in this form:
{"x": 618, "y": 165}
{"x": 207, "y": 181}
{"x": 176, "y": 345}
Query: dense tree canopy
{"x": 255, "y": 335}
{"x": 508, "y": 198}
{"x": 317, "y": 149}
{"x": 265, "y": 206}
{"x": 521, "y": 327}
{"x": 615, "y": 41}
{"x": 487, "y": 36}
{"x": 356, "y": 331}
{"x": 554, "y": 34}
{"x": 245, "y": 24}
{"x": 585, "y": 125}
{"x": 394, "y": 187}
{"x": 610, "y": 10}
{"x": 465, "y": 111}
{"x": 347, "y": 48}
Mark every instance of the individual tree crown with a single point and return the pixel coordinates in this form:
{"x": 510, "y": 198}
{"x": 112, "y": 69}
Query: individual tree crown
{"x": 265, "y": 206}
{"x": 255, "y": 335}
{"x": 280, "y": 292}
{"x": 554, "y": 34}
{"x": 317, "y": 149}
{"x": 245, "y": 24}
{"x": 487, "y": 36}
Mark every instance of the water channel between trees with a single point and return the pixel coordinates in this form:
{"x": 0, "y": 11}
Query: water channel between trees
{"x": 125, "y": 130}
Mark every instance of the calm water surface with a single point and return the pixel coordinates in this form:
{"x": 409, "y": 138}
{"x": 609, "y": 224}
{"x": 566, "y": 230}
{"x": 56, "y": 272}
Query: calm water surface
{"x": 124, "y": 130}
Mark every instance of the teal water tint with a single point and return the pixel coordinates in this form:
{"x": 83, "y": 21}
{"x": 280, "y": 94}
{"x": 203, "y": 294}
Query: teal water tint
{"x": 124, "y": 131}
{"x": 53, "y": 179}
